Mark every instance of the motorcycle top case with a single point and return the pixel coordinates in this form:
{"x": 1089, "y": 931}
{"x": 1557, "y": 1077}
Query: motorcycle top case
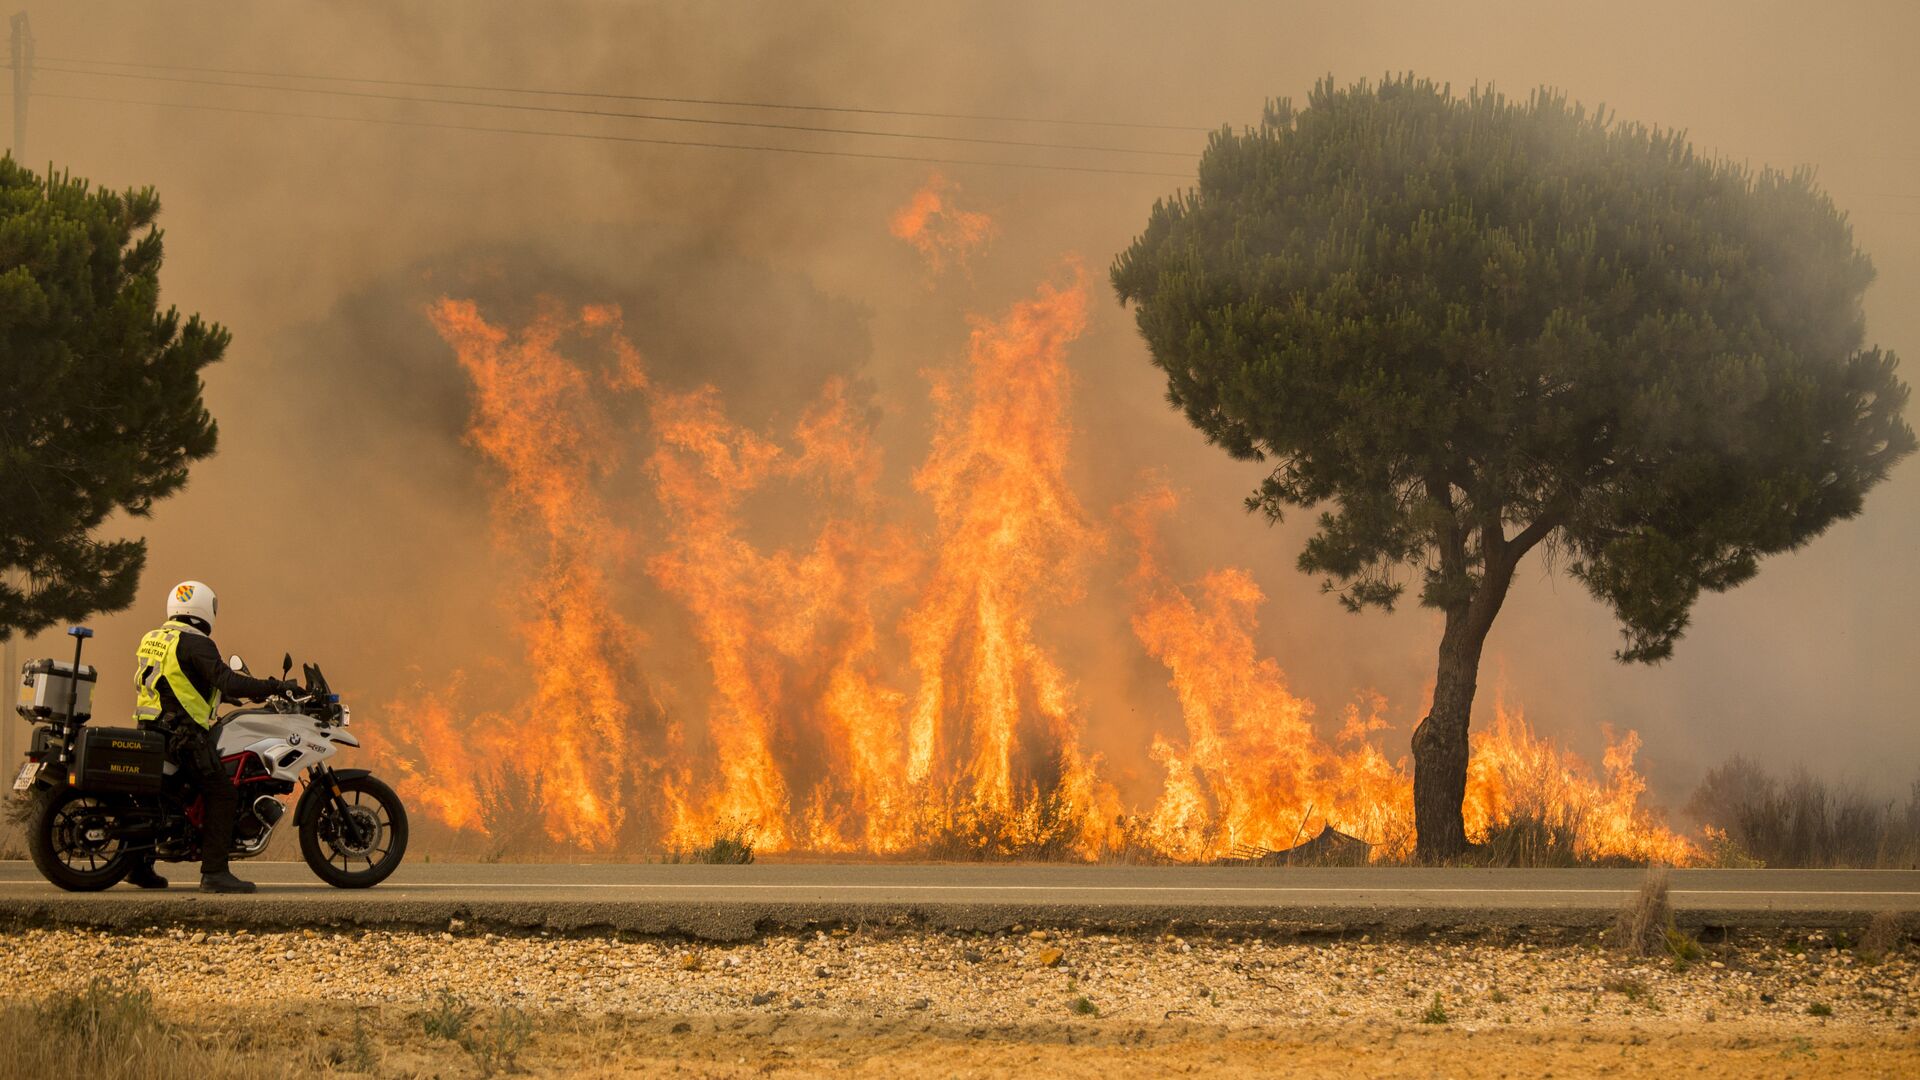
{"x": 48, "y": 684}
{"x": 120, "y": 759}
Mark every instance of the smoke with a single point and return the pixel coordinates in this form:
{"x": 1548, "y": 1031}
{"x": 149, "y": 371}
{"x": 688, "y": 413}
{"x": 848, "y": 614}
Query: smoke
{"x": 346, "y": 518}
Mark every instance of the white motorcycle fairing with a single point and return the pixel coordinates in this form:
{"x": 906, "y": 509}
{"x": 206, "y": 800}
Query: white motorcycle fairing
{"x": 285, "y": 742}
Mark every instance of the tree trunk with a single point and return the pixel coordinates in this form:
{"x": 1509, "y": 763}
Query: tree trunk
{"x": 1440, "y": 742}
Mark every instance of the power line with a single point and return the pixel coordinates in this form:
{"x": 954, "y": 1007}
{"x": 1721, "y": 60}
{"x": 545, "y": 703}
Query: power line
{"x": 657, "y": 99}
{"x": 603, "y": 137}
{"x": 612, "y": 114}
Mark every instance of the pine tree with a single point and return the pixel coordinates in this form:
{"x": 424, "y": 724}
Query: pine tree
{"x": 1467, "y": 327}
{"x": 100, "y": 406}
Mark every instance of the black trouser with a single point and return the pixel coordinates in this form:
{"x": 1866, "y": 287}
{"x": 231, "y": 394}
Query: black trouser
{"x": 193, "y": 749}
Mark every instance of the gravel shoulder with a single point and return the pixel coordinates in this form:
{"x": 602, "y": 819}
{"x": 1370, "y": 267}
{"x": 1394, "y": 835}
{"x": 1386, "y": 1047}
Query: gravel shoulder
{"x": 894, "y": 1003}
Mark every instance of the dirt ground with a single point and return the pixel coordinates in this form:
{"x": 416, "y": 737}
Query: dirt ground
{"x": 1036, "y": 1003}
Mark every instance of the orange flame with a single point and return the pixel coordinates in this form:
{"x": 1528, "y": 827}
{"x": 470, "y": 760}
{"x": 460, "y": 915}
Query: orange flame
{"x": 993, "y": 722}
{"x": 1253, "y": 772}
{"x": 538, "y": 420}
{"x": 770, "y": 622}
{"x": 943, "y": 233}
{"x": 873, "y": 685}
{"x": 439, "y": 766}
{"x": 1514, "y": 774}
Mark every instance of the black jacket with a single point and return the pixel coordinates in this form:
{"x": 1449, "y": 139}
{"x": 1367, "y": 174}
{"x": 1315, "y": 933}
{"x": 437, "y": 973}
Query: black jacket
{"x": 200, "y": 659}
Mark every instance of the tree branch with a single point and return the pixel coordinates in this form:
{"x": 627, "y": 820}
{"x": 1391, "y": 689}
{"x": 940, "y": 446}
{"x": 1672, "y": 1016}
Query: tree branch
{"x": 1550, "y": 517}
{"x": 1535, "y": 532}
{"x": 1453, "y": 541}
{"x": 1493, "y": 534}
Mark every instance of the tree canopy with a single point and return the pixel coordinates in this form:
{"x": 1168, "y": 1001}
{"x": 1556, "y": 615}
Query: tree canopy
{"x": 1465, "y": 326}
{"x": 101, "y": 407}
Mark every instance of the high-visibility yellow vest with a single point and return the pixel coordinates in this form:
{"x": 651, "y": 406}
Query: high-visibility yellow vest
{"x": 157, "y": 658}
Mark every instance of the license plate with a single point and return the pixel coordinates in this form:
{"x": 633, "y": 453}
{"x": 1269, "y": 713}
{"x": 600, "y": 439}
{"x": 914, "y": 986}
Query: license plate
{"x": 27, "y": 772}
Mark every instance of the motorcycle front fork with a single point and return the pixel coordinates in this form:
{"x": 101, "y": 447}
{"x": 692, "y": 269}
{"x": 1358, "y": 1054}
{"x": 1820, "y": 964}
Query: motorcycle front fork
{"x": 323, "y": 777}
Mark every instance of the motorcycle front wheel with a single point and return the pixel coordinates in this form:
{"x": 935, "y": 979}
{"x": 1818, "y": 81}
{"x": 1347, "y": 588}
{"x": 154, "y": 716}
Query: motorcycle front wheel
{"x": 69, "y": 836}
{"x": 361, "y": 848}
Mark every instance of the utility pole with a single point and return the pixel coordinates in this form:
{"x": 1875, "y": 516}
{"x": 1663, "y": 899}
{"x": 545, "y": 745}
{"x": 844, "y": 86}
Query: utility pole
{"x": 22, "y": 53}
{"x": 10, "y": 681}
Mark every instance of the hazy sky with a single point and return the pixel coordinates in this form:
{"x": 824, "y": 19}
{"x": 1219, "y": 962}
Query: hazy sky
{"x": 340, "y": 518}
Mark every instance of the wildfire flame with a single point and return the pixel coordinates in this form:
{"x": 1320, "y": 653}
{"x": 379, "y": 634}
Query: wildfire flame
{"x": 941, "y": 231}
{"x": 538, "y": 420}
{"x": 1514, "y": 775}
{"x": 875, "y": 685}
{"x": 773, "y": 623}
{"x": 1253, "y": 771}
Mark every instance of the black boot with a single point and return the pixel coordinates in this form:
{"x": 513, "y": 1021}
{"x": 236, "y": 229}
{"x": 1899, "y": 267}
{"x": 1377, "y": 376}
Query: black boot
{"x": 143, "y": 877}
{"x": 225, "y": 882}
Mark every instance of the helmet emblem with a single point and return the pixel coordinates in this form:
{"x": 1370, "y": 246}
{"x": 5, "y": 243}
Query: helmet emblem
{"x": 183, "y": 594}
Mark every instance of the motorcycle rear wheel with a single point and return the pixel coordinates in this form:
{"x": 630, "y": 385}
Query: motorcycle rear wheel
{"x": 63, "y": 852}
{"x": 377, "y": 836}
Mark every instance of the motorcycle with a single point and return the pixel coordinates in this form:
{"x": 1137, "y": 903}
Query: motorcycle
{"x": 101, "y": 798}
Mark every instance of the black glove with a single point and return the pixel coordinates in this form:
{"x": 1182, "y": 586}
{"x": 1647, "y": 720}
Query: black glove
{"x": 288, "y": 687}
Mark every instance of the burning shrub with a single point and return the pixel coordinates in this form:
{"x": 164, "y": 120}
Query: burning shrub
{"x": 1533, "y": 837}
{"x": 1532, "y": 803}
{"x": 511, "y": 811}
{"x": 1041, "y": 830}
{"x": 733, "y": 847}
{"x": 1724, "y": 853}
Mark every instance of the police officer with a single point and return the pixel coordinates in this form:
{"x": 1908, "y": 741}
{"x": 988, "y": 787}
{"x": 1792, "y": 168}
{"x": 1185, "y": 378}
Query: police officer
{"x": 179, "y": 679}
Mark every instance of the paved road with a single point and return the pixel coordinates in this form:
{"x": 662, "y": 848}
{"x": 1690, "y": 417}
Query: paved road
{"x": 737, "y": 901}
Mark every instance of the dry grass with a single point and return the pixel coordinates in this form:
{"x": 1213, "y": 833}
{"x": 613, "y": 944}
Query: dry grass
{"x": 308, "y": 1038}
{"x": 1640, "y": 927}
{"x": 494, "y": 1045}
{"x": 1885, "y": 934}
{"x": 111, "y": 1031}
{"x": 13, "y": 825}
{"x": 1644, "y": 927}
{"x": 1120, "y": 1007}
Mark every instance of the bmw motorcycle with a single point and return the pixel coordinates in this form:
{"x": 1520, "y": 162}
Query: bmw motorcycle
{"x": 102, "y": 798}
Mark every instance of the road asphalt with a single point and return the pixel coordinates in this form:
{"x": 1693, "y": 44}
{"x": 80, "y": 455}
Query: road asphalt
{"x": 735, "y": 902}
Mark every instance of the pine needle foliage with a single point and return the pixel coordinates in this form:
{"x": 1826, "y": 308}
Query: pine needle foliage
{"x": 101, "y": 412}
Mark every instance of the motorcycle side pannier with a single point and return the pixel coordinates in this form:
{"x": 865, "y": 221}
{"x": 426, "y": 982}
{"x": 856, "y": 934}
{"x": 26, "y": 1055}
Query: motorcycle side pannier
{"x": 120, "y": 759}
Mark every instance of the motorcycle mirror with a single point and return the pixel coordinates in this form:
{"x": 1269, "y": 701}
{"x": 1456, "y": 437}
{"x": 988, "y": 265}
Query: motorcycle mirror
{"x": 286, "y": 665}
{"x": 237, "y": 664}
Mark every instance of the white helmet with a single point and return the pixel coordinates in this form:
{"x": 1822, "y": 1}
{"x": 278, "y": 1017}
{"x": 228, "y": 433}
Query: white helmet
{"x": 193, "y": 598}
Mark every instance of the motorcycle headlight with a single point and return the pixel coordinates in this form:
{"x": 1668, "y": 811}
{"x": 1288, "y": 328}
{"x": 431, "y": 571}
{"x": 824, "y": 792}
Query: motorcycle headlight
{"x": 346, "y": 716}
